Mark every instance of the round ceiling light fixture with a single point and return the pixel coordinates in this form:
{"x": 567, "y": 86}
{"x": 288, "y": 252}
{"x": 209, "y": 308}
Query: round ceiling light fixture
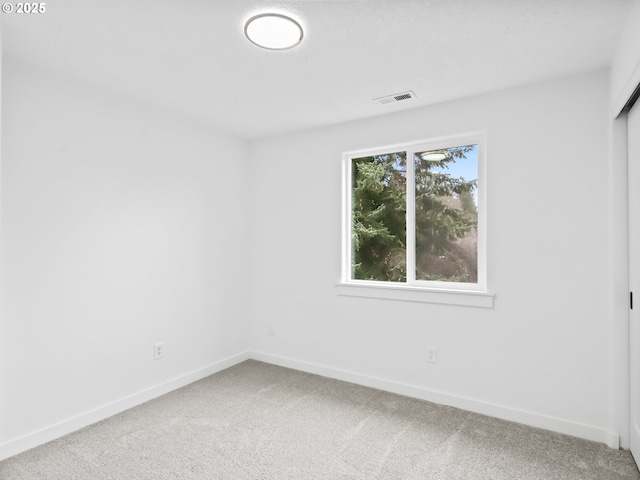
{"x": 273, "y": 31}
{"x": 434, "y": 156}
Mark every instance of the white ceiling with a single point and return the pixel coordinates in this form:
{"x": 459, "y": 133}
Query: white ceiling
{"x": 191, "y": 56}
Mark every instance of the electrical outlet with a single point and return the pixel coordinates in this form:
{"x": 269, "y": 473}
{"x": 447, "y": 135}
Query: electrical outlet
{"x": 271, "y": 329}
{"x": 158, "y": 351}
{"x": 432, "y": 355}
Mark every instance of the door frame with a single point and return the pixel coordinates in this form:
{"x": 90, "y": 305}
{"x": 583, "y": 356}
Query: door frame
{"x": 634, "y": 314}
{"x": 619, "y": 371}
{"x": 619, "y": 340}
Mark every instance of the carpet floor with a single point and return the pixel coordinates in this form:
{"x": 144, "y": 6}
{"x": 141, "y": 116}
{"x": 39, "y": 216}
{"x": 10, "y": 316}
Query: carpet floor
{"x": 256, "y": 421}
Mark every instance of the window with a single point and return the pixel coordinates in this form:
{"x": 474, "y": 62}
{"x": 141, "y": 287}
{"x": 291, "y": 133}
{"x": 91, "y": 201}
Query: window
{"x": 414, "y": 218}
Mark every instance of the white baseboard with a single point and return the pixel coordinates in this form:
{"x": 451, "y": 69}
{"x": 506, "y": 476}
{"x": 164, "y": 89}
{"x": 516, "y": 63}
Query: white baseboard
{"x": 546, "y": 422}
{"x": 51, "y": 432}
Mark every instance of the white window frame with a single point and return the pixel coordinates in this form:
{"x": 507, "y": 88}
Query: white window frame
{"x": 450, "y": 293}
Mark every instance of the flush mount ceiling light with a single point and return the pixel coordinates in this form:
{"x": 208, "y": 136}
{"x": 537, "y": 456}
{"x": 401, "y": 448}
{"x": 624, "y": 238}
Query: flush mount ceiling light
{"x": 273, "y": 31}
{"x": 434, "y": 156}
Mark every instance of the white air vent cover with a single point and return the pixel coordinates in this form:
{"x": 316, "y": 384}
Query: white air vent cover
{"x": 396, "y": 97}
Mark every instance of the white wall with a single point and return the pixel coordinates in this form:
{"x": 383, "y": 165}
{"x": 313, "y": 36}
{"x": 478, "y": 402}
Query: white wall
{"x": 122, "y": 226}
{"x": 541, "y": 356}
{"x": 3, "y": 409}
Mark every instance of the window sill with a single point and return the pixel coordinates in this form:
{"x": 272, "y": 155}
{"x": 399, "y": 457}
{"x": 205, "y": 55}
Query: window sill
{"x": 417, "y": 294}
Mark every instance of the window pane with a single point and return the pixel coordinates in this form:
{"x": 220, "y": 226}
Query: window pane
{"x": 447, "y": 214}
{"x": 379, "y": 227}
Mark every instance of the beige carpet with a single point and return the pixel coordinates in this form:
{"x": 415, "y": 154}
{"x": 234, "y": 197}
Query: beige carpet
{"x": 257, "y": 421}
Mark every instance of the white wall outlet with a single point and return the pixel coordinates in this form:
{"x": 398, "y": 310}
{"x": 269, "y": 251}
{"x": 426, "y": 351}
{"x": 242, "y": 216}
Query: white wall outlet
{"x": 432, "y": 354}
{"x": 271, "y": 329}
{"x": 158, "y": 351}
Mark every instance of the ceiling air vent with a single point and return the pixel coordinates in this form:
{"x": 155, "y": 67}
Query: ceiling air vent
{"x": 396, "y": 97}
